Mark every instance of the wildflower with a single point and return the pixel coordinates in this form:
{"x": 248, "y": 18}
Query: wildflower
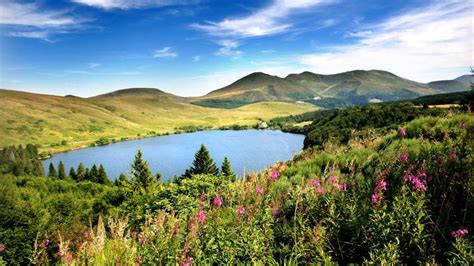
{"x": 403, "y": 132}
{"x": 187, "y": 262}
{"x": 2, "y": 248}
{"x": 249, "y": 217}
{"x": 44, "y": 243}
{"x": 274, "y": 175}
{"x": 417, "y": 182}
{"x": 259, "y": 190}
{"x": 241, "y": 210}
{"x": 462, "y": 124}
{"x": 315, "y": 182}
{"x": 201, "y": 216}
{"x": 320, "y": 190}
{"x": 404, "y": 158}
{"x": 343, "y": 186}
{"x": 459, "y": 233}
{"x": 275, "y": 211}
{"x": 135, "y": 232}
{"x": 375, "y": 199}
{"x": 332, "y": 179}
{"x": 88, "y": 234}
{"x": 217, "y": 201}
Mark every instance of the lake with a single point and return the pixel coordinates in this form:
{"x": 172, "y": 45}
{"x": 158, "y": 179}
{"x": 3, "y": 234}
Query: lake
{"x": 247, "y": 150}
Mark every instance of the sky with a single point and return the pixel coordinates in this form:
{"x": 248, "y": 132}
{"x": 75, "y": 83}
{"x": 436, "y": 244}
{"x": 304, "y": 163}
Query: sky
{"x": 191, "y": 47}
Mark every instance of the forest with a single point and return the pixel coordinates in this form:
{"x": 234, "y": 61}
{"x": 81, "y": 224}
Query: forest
{"x": 377, "y": 184}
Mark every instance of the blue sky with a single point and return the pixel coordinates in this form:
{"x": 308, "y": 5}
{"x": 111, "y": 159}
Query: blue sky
{"x": 190, "y": 47}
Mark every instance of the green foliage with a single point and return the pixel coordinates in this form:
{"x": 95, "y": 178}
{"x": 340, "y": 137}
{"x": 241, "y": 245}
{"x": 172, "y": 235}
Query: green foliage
{"x": 52, "y": 171}
{"x": 38, "y": 207}
{"x": 142, "y": 179}
{"x": 226, "y": 170}
{"x": 61, "y": 171}
{"x": 21, "y": 161}
{"x": 393, "y": 199}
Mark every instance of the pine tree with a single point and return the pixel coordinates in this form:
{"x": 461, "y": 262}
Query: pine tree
{"x": 102, "y": 176}
{"x": 202, "y": 164}
{"x": 87, "y": 175}
{"x": 38, "y": 168}
{"x": 81, "y": 172}
{"x": 61, "y": 170}
{"x": 94, "y": 173}
{"x": 226, "y": 170}
{"x": 52, "y": 171}
{"x": 142, "y": 179}
{"x": 72, "y": 173}
{"x": 122, "y": 180}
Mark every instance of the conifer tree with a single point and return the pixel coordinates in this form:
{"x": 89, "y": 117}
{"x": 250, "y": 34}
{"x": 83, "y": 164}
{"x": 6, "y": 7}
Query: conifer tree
{"x": 226, "y": 170}
{"x": 122, "y": 180}
{"x": 81, "y": 172}
{"x": 93, "y": 173}
{"x": 38, "y": 168}
{"x": 142, "y": 179}
{"x": 102, "y": 176}
{"x": 52, "y": 171}
{"x": 202, "y": 164}
{"x": 61, "y": 170}
{"x": 87, "y": 175}
{"x": 72, "y": 173}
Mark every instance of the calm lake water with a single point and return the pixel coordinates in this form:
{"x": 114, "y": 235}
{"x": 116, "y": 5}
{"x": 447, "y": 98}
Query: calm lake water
{"x": 247, "y": 150}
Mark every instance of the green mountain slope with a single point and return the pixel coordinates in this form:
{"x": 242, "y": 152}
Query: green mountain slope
{"x": 348, "y": 88}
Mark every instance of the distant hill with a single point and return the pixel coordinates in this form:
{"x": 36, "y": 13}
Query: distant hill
{"x": 338, "y": 90}
{"x": 465, "y": 79}
{"x": 48, "y": 119}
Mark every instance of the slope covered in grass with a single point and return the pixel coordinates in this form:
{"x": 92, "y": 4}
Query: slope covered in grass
{"x": 45, "y": 119}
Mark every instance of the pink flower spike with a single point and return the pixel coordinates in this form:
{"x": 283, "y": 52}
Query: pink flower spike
{"x": 343, "y": 186}
{"x": 241, "y": 210}
{"x": 249, "y": 217}
{"x": 403, "y": 132}
{"x": 320, "y": 190}
{"x": 274, "y": 175}
{"x": 201, "y": 216}
{"x": 187, "y": 262}
{"x": 332, "y": 179}
{"x": 217, "y": 201}
{"x": 259, "y": 190}
{"x": 315, "y": 182}
{"x": 404, "y": 158}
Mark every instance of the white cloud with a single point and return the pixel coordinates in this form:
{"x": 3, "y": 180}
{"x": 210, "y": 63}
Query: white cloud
{"x": 29, "y": 20}
{"x": 132, "y": 4}
{"x": 428, "y": 43}
{"x": 164, "y": 53}
{"x": 267, "y": 21}
{"x": 196, "y": 58}
{"x": 93, "y": 65}
{"x": 229, "y": 48}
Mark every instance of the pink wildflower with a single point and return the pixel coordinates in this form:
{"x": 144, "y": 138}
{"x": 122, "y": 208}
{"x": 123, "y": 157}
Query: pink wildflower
{"x": 217, "y": 201}
{"x": 187, "y": 262}
{"x": 259, "y": 190}
{"x": 462, "y": 124}
{"x": 375, "y": 198}
{"x": 249, "y": 217}
{"x": 343, "y": 186}
{"x": 403, "y": 132}
{"x": 201, "y": 216}
{"x": 332, "y": 179}
{"x": 320, "y": 190}
{"x": 315, "y": 182}
{"x": 274, "y": 175}
{"x": 459, "y": 233}
{"x": 241, "y": 210}
{"x": 404, "y": 158}
{"x": 275, "y": 211}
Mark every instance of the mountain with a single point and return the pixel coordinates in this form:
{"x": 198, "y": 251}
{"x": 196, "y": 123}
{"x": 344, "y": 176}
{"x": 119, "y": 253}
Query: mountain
{"x": 465, "y": 79}
{"x": 347, "y": 88}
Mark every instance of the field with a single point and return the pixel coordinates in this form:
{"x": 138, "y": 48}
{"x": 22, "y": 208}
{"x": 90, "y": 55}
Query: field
{"x": 62, "y": 123}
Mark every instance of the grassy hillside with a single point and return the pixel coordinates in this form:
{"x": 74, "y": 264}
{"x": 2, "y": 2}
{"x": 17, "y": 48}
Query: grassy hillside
{"x": 326, "y": 91}
{"x": 46, "y": 119}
